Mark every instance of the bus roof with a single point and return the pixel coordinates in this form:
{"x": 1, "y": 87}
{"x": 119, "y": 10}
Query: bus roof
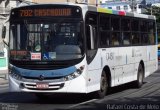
{"x": 93, "y": 8}
{"x": 121, "y": 13}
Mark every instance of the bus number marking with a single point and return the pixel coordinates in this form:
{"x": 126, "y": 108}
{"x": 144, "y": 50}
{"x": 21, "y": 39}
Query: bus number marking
{"x": 26, "y": 13}
{"x": 109, "y": 56}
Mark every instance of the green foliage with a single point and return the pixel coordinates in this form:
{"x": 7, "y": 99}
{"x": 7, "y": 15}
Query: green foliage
{"x": 154, "y": 10}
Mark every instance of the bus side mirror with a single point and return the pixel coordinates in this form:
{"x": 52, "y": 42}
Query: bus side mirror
{"x": 3, "y": 32}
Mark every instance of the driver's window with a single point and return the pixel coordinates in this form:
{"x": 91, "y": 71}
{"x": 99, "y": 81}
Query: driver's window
{"x": 91, "y": 31}
{"x": 91, "y": 35}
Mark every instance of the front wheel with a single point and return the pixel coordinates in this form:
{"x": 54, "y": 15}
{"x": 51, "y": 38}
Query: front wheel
{"x": 103, "y": 86}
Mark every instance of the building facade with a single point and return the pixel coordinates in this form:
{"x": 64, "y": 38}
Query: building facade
{"x": 123, "y": 6}
{"x": 93, "y": 2}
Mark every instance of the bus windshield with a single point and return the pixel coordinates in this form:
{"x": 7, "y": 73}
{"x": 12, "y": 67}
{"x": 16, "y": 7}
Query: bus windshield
{"x": 46, "y": 40}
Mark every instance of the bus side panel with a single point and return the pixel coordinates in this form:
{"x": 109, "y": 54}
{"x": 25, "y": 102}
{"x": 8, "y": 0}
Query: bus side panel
{"x": 139, "y": 54}
{"x": 152, "y": 61}
{"x": 127, "y": 61}
{"x": 94, "y": 73}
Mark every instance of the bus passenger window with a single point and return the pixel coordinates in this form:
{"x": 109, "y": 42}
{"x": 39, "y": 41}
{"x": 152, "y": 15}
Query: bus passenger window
{"x": 115, "y": 39}
{"x": 104, "y": 22}
{"x": 135, "y": 39}
{"x": 125, "y": 24}
{"x": 104, "y": 30}
{"x": 151, "y": 38}
{"x": 145, "y": 38}
{"x": 104, "y": 38}
{"x": 135, "y": 25}
{"x": 151, "y": 29}
{"x": 115, "y": 24}
{"x": 126, "y": 37}
{"x": 144, "y": 26}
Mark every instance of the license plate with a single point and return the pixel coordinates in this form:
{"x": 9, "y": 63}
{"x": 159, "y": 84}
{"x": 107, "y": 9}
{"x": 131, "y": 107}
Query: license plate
{"x": 42, "y": 85}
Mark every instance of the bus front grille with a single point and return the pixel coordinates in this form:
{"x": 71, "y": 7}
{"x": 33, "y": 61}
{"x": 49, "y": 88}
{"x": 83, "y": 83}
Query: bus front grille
{"x": 50, "y": 86}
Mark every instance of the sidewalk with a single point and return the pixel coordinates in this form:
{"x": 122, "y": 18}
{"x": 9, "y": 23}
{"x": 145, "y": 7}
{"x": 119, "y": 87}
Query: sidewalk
{"x": 3, "y": 81}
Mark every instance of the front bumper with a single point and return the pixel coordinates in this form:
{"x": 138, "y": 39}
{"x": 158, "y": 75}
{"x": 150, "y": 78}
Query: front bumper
{"x": 77, "y": 85}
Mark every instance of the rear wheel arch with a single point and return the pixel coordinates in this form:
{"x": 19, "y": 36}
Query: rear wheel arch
{"x": 104, "y": 83}
{"x": 108, "y": 74}
{"x": 140, "y": 75}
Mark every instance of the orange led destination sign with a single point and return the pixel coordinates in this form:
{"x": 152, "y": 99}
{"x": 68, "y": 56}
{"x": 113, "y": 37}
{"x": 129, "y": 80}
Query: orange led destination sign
{"x": 22, "y": 53}
{"x": 45, "y": 12}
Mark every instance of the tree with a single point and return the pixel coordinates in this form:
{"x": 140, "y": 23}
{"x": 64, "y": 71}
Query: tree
{"x": 153, "y": 10}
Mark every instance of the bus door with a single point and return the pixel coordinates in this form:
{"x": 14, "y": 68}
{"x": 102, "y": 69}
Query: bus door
{"x": 93, "y": 53}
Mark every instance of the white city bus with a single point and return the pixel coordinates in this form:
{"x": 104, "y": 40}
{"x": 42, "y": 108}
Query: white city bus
{"x": 76, "y": 48}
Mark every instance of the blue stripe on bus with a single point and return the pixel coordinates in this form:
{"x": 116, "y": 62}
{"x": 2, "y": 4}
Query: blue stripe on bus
{"x": 45, "y": 73}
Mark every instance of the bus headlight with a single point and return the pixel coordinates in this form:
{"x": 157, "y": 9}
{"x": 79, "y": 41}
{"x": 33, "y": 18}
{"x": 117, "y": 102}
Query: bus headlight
{"x": 14, "y": 74}
{"x": 77, "y": 73}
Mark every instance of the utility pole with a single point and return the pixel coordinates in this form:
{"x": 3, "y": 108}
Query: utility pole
{"x": 132, "y": 5}
{"x": 96, "y": 3}
{"x": 151, "y": 10}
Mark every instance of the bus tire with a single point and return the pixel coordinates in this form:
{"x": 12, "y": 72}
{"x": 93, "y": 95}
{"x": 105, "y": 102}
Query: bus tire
{"x": 140, "y": 77}
{"x": 103, "y": 86}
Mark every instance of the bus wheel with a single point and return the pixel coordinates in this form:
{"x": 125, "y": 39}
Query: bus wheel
{"x": 140, "y": 77}
{"x": 103, "y": 86}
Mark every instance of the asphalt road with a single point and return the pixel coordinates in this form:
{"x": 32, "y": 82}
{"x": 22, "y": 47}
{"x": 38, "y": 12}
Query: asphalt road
{"x": 122, "y": 97}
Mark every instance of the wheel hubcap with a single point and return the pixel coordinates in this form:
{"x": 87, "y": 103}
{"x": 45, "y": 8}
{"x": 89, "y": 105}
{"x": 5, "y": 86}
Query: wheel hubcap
{"x": 103, "y": 84}
{"x": 140, "y": 76}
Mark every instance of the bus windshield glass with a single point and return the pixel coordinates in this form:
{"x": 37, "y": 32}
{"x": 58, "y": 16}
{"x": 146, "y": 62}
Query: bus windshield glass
{"x": 46, "y": 40}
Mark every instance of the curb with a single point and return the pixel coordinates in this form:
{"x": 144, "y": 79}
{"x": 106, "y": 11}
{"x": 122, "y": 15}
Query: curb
{"x": 3, "y": 82}
{"x": 4, "y": 85}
